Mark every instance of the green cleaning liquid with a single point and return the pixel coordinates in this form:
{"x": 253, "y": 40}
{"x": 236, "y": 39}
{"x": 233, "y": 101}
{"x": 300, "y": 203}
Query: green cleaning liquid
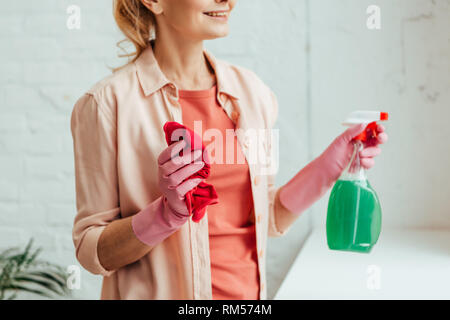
{"x": 354, "y": 216}
{"x": 354, "y": 211}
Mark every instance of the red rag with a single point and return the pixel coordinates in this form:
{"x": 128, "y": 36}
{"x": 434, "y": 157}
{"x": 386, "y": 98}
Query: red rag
{"x": 204, "y": 193}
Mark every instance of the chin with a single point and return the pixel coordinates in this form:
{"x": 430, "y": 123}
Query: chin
{"x": 216, "y": 34}
{"x": 215, "y": 37}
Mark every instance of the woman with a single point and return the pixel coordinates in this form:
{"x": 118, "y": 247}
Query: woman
{"x": 133, "y": 225}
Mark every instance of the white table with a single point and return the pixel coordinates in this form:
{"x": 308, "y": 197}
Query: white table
{"x": 404, "y": 264}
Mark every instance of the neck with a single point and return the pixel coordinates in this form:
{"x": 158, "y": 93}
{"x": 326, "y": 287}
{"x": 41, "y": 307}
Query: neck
{"x": 182, "y": 60}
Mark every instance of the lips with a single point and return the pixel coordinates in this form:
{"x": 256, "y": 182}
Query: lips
{"x": 218, "y": 14}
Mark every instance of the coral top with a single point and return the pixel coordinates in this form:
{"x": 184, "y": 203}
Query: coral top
{"x": 232, "y": 239}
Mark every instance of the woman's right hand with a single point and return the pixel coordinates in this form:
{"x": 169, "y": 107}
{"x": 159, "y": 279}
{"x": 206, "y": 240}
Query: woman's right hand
{"x": 173, "y": 170}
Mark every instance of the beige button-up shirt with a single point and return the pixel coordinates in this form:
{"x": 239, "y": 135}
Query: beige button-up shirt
{"x": 117, "y": 130}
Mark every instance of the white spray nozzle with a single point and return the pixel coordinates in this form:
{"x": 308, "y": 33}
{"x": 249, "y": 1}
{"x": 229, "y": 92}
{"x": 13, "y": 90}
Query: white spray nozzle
{"x": 364, "y": 116}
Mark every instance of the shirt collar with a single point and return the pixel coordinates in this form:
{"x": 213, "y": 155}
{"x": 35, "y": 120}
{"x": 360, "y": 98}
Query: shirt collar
{"x": 152, "y": 78}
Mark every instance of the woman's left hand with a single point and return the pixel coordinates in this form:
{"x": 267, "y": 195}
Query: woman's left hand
{"x": 371, "y": 148}
{"x": 313, "y": 180}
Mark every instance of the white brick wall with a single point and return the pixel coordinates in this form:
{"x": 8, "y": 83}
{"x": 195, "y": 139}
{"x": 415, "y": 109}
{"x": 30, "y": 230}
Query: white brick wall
{"x": 45, "y": 67}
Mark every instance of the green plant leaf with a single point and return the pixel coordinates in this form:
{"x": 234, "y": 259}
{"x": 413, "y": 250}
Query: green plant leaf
{"x": 22, "y": 271}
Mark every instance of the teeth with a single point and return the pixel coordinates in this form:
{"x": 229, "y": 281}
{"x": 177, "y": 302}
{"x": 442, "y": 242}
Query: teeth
{"x": 216, "y": 14}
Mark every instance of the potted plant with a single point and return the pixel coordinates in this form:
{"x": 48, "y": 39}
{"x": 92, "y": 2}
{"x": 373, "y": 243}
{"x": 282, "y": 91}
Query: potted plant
{"x": 22, "y": 271}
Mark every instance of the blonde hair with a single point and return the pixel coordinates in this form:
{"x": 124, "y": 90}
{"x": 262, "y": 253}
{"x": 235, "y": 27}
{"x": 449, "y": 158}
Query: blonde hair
{"x": 137, "y": 24}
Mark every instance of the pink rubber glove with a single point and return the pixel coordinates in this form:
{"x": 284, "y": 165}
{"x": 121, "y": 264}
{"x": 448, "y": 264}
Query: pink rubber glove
{"x": 371, "y": 148}
{"x": 169, "y": 212}
{"x": 173, "y": 170}
{"x": 310, "y": 183}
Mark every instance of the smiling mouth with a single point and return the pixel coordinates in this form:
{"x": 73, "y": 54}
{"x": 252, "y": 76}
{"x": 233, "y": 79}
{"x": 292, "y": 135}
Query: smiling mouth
{"x": 216, "y": 14}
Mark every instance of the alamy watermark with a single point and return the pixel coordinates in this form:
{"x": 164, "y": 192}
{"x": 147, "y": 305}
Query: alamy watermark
{"x": 74, "y": 18}
{"x": 74, "y": 278}
{"x": 374, "y": 18}
{"x": 260, "y": 147}
{"x": 373, "y": 277}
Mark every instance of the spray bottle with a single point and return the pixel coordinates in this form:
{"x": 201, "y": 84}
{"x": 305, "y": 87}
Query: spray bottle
{"x": 354, "y": 211}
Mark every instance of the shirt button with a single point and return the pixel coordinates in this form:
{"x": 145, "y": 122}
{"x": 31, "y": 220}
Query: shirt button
{"x": 258, "y": 218}
{"x": 260, "y": 253}
{"x": 256, "y": 180}
{"x": 262, "y": 286}
{"x": 234, "y": 115}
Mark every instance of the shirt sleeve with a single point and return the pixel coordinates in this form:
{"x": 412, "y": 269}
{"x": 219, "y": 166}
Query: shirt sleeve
{"x": 276, "y": 208}
{"x": 96, "y": 184}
